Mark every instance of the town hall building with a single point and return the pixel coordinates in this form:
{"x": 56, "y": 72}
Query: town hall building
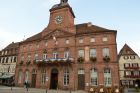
{"x": 66, "y": 55}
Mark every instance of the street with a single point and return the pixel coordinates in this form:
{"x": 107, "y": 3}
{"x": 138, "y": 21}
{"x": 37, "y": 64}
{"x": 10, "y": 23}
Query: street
{"x": 5, "y": 89}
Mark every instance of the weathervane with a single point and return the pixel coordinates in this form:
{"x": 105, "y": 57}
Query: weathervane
{"x": 63, "y": 1}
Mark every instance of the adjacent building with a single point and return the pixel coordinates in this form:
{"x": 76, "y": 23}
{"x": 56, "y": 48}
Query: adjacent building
{"x": 8, "y": 59}
{"x": 69, "y": 56}
{"x": 129, "y": 67}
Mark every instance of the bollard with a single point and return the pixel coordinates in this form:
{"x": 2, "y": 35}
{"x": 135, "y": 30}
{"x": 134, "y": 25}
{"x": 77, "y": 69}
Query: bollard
{"x": 27, "y": 88}
{"x": 70, "y": 90}
{"x": 46, "y": 91}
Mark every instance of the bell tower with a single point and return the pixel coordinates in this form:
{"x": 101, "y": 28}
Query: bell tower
{"x": 61, "y": 17}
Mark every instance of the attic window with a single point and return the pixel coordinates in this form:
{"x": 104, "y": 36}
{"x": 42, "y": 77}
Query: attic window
{"x": 127, "y": 51}
{"x": 92, "y": 39}
{"x": 105, "y": 39}
{"x": 132, "y": 57}
{"x": 126, "y": 57}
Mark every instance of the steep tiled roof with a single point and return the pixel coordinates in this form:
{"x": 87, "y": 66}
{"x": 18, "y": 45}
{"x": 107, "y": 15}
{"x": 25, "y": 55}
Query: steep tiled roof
{"x": 34, "y": 37}
{"x": 126, "y": 50}
{"x": 12, "y": 45}
{"x": 89, "y": 28}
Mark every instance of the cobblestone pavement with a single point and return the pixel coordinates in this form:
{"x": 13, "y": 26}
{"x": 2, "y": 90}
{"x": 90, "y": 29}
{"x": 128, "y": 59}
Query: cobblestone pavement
{"x": 4, "y": 89}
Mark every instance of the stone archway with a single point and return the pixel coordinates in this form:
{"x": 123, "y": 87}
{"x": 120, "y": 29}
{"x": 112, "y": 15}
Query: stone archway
{"x": 54, "y": 79}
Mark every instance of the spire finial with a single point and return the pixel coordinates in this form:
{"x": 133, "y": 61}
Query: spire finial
{"x": 63, "y": 1}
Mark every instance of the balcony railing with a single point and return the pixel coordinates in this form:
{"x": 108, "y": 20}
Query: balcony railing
{"x": 132, "y": 76}
{"x": 130, "y": 67}
{"x": 53, "y": 61}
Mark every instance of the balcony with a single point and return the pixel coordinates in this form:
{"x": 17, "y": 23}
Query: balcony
{"x": 132, "y": 76}
{"x": 53, "y": 61}
{"x": 131, "y": 67}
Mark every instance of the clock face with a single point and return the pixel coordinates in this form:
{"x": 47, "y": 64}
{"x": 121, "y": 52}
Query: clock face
{"x": 58, "y": 19}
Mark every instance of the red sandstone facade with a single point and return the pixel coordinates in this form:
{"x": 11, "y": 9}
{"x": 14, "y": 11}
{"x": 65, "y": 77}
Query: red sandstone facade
{"x": 68, "y": 56}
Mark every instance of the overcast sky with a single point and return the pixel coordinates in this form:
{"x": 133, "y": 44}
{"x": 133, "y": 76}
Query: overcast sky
{"x": 20, "y": 19}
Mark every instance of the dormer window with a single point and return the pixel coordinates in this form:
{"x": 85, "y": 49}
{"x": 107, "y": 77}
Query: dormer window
{"x": 92, "y": 39}
{"x": 105, "y": 39}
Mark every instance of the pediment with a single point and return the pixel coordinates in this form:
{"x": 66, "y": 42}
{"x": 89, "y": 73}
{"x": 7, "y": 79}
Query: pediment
{"x": 58, "y": 34}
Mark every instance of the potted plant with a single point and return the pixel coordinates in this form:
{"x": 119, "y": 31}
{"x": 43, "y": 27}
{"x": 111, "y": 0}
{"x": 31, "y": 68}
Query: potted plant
{"x": 93, "y": 59}
{"x": 80, "y": 59}
{"x": 106, "y": 58}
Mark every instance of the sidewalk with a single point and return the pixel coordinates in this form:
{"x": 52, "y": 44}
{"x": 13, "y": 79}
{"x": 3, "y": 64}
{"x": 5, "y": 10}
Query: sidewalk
{"x": 4, "y": 89}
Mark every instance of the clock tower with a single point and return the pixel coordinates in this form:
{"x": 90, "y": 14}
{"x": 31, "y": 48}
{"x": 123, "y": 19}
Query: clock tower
{"x": 61, "y": 17}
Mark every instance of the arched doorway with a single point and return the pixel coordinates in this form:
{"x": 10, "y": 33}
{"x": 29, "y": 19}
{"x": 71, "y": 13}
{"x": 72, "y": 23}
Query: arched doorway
{"x": 54, "y": 79}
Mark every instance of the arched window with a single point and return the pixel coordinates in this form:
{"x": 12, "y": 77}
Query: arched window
{"x": 66, "y": 53}
{"x": 66, "y": 77}
{"x": 94, "y": 77}
{"x": 27, "y": 76}
{"x": 107, "y": 77}
{"x": 43, "y": 76}
{"x": 20, "y": 74}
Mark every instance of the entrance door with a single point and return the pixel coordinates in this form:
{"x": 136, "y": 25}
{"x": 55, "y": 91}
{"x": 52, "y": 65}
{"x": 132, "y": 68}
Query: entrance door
{"x": 81, "y": 80}
{"x": 33, "y": 80}
{"x": 54, "y": 79}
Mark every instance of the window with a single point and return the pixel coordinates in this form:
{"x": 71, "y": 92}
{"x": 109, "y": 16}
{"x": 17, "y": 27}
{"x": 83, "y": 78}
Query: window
{"x": 126, "y": 57}
{"x": 81, "y": 53}
{"x": 22, "y": 58}
{"x": 93, "y": 76}
{"x": 92, "y": 52}
{"x": 127, "y": 73}
{"x": 43, "y": 76}
{"x": 132, "y": 57}
{"x": 24, "y": 48}
{"x": 30, "y": 47}
{"x": 136, "y": 73}
{"x": 66, "y": 77}
{"x": 27, "y": 76}
{"x": 45, "y": 56}
{"x": 20, "y": 77}
{"x": 66, "y": 54}
{"x": 92, "y": 39}
{"x": 81, "y": 71}
{"x": 46, "y": 43}
{"x": 2, "y": 52}
{"x": 135, "y": 65}
{"x": 7, "y": 59}
{"x": 126, "y": 65}
{"x": 81, "y": 40}
{"x": 37, "y": 46}
{"x": 105, "y": 39}
{"x": 15, "y": 59}
{"x": 105, "y": 52}
{"x": 107, "y": 77}
{"x": 36, "y": 57}
{"x": 29, "y": 57}
{"x": 67, "y": 41}
{"x": 55, "y": 55}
